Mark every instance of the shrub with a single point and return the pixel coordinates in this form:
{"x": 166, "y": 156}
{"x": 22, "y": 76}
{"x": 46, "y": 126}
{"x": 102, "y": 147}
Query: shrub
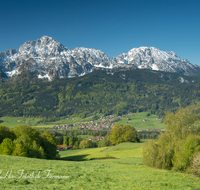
{"x": 195, "y": 166}
{"x": 87, "y": 144}
{"x": 176, "y": 147}
{"x": 184, "y": 152}
{"x": 150, "y": 153}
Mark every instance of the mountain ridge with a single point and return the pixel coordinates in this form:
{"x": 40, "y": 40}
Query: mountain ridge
{"x": 48, "y": 58}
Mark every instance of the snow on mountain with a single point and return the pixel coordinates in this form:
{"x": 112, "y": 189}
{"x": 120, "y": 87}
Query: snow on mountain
{"x": 155, "y": 59}
{"x": 47, "y": 58}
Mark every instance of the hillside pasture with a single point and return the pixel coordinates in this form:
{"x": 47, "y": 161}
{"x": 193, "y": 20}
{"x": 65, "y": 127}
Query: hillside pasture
{"x": 11, "y": 122}
{"x": 123, "y": 150}
{"x": 136, "y": 120}
{"x": 124, "y": 173}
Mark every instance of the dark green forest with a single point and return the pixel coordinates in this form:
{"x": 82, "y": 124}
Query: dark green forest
{"x": 98, "y": 92}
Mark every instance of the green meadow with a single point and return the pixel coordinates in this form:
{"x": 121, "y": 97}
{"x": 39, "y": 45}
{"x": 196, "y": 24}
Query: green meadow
{"x": 123, "y": 150}
{"x": 136, "y": 120}
{"x": 13, "y": 121}
{"x": 124, "y": 172}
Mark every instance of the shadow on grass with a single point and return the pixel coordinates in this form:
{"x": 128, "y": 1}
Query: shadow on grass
{"x": 83, "y": 158}
{"x": 103, "y": 158}
{"x": 75, "y": 158}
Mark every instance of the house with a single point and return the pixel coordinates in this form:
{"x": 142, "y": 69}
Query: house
{"x": 99, "y": 138}
{"x": 60, "y": 147}
{"x": 69, "y": 147}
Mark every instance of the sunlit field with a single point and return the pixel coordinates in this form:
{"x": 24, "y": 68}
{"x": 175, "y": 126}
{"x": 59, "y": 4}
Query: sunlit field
{"x": 11, "y": 122}
{"x": 126, "y": 172}
{"x": 137, "y": 121}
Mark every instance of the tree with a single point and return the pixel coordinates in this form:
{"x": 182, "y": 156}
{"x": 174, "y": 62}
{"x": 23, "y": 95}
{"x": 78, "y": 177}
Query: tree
{"x": 20, "y": 149}
{"x": 82, "y": 144}
{"x": 27, "y": 134}
{"x": 87, "y": 144}
{"x": 27, "y": 141}
{"x": 116, "y": 134}
{"x": 129, "y": 133}
{"x": 76, "y": 144}
{"x": 6, "y": 147}
{"x": 65, "y": 141}
{"x": 49, "y": 145}
{"x": 105, "y": 142}
{"x": 5, "y": 132}
{"x": 71, "y": 141}
{"x": 121, "y": 133}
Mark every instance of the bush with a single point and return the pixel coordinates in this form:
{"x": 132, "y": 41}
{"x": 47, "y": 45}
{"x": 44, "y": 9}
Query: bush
{"x": 176, "y": 147}
{"x": 148, "y": 114}
{"x": 87, "y": 144}
{"x": 195, "y": 166}
{"x": 150, "y": 153}
{"x": 184, "y": 152}
{"x": 105, "y": 142}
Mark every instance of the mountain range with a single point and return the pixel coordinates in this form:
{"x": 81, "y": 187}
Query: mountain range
{"x": 48, "y": 58}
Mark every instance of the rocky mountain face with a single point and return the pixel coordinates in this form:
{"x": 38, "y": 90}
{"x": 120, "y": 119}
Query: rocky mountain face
{"x": 47, "y": 58}
{"x": 155, "y": 59}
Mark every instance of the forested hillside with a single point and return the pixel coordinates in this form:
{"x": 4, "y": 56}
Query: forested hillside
{"x": 98, "y": 92}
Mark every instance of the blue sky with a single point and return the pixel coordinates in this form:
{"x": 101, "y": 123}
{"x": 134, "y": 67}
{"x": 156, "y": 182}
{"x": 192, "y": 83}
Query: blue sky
{"x": 112, "y": 26}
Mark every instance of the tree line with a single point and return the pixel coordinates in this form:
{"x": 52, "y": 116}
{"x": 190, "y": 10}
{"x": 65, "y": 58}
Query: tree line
{"x": 117, "y": 135}
{"x": 28, "y": 142}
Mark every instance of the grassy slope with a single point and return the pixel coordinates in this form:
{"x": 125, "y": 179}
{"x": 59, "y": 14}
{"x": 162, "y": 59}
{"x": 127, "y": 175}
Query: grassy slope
{"x": 137, "y": 121}
{"x": 13, "y": 121}
{"x": 94, "y": 174}
{"x": 124, "y": 150}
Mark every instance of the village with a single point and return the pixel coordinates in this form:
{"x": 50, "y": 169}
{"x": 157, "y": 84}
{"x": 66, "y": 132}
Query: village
{"x": 106, "y": 122}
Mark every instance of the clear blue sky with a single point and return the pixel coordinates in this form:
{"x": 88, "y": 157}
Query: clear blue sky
{"x": 112, "y": 26}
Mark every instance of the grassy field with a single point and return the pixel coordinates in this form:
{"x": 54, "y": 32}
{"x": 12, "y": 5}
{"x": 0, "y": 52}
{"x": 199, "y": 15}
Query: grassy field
{"x": 13, "y": 121}
{"x": 123, "y": 150}
{"x": 137, "y": 121}
{"x": 126, "y": 172}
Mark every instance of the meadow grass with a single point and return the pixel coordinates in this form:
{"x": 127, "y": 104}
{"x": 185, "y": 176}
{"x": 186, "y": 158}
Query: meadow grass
{"x": 123, "y": 150}
{"x": 137, "y": 121}
{"x": 84, "y": 136}
{"x": 11, "y": 122}
{"x": 122, "y": 174}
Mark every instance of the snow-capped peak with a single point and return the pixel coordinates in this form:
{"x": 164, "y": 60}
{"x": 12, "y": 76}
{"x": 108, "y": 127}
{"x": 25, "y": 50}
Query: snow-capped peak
{"x": 48, "y": 58}
{"x": 154, "y": 58}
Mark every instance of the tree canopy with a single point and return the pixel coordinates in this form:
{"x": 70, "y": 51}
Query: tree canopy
{"x": 121, "y": 133}
{"x": 27, "y": 141}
